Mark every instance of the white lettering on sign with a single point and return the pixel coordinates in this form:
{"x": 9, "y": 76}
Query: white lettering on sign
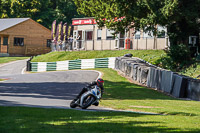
{"x": 82, "y": 22}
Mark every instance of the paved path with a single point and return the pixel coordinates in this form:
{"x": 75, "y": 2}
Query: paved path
{"x": 48, "y": 89}
{"x": 12, "y": 68}
{"x": 45, "y": 90}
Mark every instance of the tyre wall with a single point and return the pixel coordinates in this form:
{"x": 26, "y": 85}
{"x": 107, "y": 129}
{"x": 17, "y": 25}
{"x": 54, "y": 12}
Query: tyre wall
{"x": 154, "y": 77}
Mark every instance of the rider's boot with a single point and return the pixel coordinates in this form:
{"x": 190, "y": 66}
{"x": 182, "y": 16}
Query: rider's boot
{"x": 96, "y": 103}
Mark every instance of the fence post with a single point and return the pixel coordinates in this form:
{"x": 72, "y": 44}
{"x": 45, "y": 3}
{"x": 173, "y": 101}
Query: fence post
{"x": 85, "y": 45}
{"x": 101, "y": 45}
{"x": 28, "y": 64}
{"x": 137, "y": 44}
{"x": 110, "y": 44}
{"x": 146, "y": 43}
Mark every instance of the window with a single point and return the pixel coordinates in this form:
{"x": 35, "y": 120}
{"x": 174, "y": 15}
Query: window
{"x": 5, "y": 40}
{"x": 137, "y": 35}
{"x": 48, "y": 42}
{"x": 148, "y": 34}
{"x": 88, "y": 35}
{"x": 109, "y": 34}
{"x": 99, "y": 34}
{"x": 18, "y": 41}
{"x": 161, "y": 31}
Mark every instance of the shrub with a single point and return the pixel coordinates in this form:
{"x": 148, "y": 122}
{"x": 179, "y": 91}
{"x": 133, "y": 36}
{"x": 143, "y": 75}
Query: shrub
{"x": 179, "y": 56}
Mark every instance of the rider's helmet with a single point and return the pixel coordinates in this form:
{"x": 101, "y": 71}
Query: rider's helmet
{"x": 100, "y": 82}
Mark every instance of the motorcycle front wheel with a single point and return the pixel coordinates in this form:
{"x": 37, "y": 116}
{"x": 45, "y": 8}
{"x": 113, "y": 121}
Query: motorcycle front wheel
{"x": 87, "y": 101}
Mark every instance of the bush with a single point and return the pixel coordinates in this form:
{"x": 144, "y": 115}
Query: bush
{"x": 179, "y": 56}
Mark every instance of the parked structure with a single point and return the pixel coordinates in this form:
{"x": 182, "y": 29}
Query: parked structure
{"x": 94, "y": 38}
{"x": 23, "y": 37}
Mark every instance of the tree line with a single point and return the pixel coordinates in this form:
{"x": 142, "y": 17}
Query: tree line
{"x": 42, "y": 11}
{"x": 181, "y": 17}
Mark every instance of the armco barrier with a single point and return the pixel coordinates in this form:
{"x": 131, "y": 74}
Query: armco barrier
{"x": 73, "y": 64}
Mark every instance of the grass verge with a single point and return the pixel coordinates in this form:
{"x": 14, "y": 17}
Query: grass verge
{"x": 9, "y": 59}
{"x": 151, "y": 56}
{"x": 155, "y": 57}
{"x": 181, "y": 115}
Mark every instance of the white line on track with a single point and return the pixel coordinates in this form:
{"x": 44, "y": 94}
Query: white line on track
{"x": 23, "y": 70}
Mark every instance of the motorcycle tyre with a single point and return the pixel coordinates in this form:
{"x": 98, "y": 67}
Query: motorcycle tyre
{"x": 89, "y": 102}
{"x": 73, "y": 104}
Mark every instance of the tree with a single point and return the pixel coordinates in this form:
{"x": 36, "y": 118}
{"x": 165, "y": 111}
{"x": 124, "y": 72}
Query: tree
{"x": 179, "y": 16}
{"x": 42, "y": 11}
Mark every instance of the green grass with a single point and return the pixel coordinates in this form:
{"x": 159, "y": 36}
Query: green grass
{"x": 149, "y": 55}
{"x": 155, "y": 57}
{"x": 9, "y": 59}
{"x": 180, "y": 115}
{"x": 35, "y": 120}
{"x": 192, "y": 71}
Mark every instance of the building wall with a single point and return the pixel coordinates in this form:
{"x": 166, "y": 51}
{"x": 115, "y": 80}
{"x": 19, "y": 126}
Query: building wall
{"x": 35, "y": 38}
{"x": 104, "y": 44}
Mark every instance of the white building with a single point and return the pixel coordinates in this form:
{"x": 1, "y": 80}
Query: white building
{"x": 94, "y": 38}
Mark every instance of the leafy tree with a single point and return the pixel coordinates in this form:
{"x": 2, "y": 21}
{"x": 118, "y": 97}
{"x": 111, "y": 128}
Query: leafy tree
{"x": 180, "y": 16}
{"x": 44, "y": 11}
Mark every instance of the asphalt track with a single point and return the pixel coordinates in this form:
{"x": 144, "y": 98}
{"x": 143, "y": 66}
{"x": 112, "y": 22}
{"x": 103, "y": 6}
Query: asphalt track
{"x": 45, "y": 90}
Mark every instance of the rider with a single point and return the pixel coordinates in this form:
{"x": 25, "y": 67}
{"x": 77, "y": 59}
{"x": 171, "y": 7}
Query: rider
{"x": 99, "y": 83}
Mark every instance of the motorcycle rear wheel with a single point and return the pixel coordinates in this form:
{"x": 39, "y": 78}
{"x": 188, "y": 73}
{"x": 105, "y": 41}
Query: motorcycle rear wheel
{"x": 73, "y": 104}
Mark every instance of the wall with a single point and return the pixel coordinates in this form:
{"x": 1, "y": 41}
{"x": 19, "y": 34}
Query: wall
{"x": 104, "y": 44}
{"x": 73, "y": 64}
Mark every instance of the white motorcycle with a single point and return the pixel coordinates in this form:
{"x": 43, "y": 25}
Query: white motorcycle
{"x": 91, "y": 97}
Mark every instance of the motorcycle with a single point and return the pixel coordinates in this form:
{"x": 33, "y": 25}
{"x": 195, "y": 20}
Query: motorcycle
{"x": 91, "y": 97}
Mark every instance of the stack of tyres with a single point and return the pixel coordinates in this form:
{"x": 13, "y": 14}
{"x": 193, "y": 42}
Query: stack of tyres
{"x": 179, "y": 86}
{"x": 154, "y": 78}
{"x": 128, "y": 67}
{"x": 193, "y": 89}
{"x": 117, "y": 63}
{"x": 121, "y": 62}
{"x": 143, "y": 74}
{"x": 166, "y": 82}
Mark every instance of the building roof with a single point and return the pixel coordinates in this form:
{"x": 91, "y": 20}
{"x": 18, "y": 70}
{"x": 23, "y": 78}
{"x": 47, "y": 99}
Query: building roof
{"x": 6, "y": 23}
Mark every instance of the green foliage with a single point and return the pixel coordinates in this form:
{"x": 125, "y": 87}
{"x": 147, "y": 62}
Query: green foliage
{"x": 44, "y": 12}
{"x": 179, "y": 16}
{"x": 179, "y": 56}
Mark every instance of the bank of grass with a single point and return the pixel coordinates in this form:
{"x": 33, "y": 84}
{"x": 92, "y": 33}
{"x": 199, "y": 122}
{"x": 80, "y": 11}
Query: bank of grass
{"x": 151, "y": 56}
{"x": 9, "y": 59}
{"x": 177, "y": 115}
{"x": 155, "y": 57}
{"x": 192, "y": 71}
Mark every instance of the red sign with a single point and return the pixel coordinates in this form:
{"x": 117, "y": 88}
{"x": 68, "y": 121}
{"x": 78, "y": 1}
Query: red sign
{"x": 92, "y": 21}
{"x": 83, "y": 21}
